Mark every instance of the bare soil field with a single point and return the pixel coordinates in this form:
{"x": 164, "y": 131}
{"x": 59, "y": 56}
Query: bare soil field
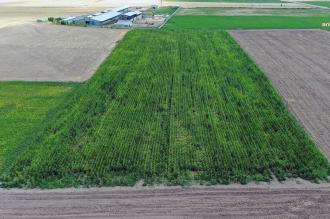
{"x": 236, "y": 201}
{"x": 44, "y": 52}
{"x": 297, "y": 62}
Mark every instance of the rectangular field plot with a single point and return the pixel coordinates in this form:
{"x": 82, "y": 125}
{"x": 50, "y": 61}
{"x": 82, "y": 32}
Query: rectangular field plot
{"x": 43, "y": 52}
{"x": 247, "y": 22}
{"x": 23, "y": 106}
{"x": 297, "y": 61}
{"x": 170, "y": 106}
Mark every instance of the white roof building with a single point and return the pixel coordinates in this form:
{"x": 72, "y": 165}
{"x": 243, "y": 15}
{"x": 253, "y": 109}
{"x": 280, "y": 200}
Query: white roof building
{"x": 133, "y": 13}
{"x": 105, "y": 16}
{"x": 69, "y": 18}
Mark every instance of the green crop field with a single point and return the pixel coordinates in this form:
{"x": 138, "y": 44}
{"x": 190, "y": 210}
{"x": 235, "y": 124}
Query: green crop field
{"x": 321, "y": 3}
{"x": 182, "y": 106}
{"x": 246, "y": 22}
{"x": 317, "y": 12}
{"x": 163, "y": 10}
{"x": 23, "y": 106}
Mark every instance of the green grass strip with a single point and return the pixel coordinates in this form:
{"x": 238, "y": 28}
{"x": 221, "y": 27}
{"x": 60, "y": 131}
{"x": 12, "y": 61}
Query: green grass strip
{"x": 246, "y": 22}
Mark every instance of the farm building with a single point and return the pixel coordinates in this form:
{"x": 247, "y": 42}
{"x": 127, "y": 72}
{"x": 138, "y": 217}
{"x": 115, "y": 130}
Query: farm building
{"x": 123, "y": 24}
{"x": 132, "y": 15}
{"x": 69, "y": 19}
{"x": 75, "y": 20}
{"x": 100, "y": 19}
{"x": 106, "y": 17}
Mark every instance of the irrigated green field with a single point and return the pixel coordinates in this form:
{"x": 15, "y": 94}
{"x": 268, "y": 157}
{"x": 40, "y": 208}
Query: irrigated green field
{"x": 163, "y": 10}
{"x": 23, "y": 106}
{"x": 183, "y": 105}
{"x": 321, "y": 3}
{"x": 246, "y": 22}
{"x": 294, "y": 12}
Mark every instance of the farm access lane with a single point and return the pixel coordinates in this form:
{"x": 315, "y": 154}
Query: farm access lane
{"x": 297, "y": 62}
{"x": 288, "y": 200}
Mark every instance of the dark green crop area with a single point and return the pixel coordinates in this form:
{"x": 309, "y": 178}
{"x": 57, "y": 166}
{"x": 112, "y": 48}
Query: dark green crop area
{"x": 169, "y": 107}
{"x": 321, "y": 3}
{"x": 23, "y": 106}
{"x": 246, "y": 22}
{"x": 162, "y": 10}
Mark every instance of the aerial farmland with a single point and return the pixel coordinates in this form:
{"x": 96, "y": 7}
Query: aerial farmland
{"x": 222, "y": 106}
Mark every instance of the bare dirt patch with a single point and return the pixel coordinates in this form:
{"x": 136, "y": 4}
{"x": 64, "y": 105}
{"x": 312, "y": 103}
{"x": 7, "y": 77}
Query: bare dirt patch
{"x": 237, "y": 201}
{"x": 297, "y": 62}
{"x": 44, "y": 52}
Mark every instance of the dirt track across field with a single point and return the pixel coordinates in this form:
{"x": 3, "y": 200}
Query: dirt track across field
{"x": 45, "y": 52}
{"x": 298, "y": 63}
{"x": 234, "y": 201}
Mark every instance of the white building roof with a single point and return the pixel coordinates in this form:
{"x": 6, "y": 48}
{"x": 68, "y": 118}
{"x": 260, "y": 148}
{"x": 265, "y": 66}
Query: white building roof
{"x": 106, "y": 16}
{"x": 69, "y": 18}
{"x": 132, "y": 13}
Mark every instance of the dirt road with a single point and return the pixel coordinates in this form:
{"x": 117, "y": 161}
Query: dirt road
{"x": 45, "y": 52}
{"x": 169, "y": 202}
{"x": 297, "y": 62}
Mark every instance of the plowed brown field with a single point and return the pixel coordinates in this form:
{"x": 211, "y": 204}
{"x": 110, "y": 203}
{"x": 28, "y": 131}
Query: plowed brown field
{"x": 298, "y": 63}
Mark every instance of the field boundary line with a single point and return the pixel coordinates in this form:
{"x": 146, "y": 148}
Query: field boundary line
{"x": 169, "y": 18}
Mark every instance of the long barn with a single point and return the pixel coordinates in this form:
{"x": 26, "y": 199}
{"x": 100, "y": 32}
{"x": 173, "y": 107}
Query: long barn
{"x": 106, "y": 17}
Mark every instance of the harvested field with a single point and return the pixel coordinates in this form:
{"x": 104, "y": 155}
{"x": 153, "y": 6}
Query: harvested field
{"x": 297, "y": 62}
{"x": 42, "y": 52}
{"x": 169, "y": 202}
